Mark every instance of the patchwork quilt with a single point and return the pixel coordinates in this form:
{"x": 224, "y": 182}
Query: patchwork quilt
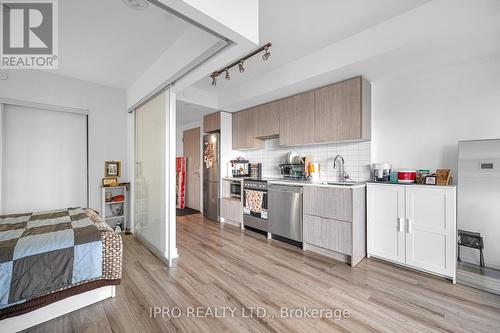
{"x": 45, "y": 252}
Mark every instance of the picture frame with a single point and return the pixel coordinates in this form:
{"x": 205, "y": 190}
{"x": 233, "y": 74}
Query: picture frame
{"x": 112, "y": 169}
{"x": 430, "y": 180}
{"x": 443, "y": 176}
{"x": 109, "y": 181}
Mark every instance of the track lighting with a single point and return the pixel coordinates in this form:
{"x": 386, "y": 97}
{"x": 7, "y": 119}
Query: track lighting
{"x": 266, "y": 55}
{"x": 240, "y": 63}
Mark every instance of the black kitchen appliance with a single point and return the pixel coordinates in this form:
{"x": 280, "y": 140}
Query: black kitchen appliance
{"x": 293, "y": 171}
{"x": 236, "y": 189}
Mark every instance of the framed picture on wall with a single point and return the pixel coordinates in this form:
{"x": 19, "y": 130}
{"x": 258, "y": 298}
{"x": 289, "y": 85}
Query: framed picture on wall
{"x": 112, "y": 169}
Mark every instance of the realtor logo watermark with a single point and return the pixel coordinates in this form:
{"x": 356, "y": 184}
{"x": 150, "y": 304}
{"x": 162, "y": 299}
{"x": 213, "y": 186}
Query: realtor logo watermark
{"x": 29, "y": 34}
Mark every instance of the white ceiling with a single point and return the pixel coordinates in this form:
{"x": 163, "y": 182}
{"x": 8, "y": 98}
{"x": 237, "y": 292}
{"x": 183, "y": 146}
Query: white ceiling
{"x": 298, "y": 27}
{"x": 188, "y": 113}
{"x": 320, "y": 42}
{"x": 123, "y": 42}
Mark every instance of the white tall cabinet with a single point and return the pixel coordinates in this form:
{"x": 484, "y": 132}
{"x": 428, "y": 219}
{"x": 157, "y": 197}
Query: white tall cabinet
{"x": 413, "y": 225}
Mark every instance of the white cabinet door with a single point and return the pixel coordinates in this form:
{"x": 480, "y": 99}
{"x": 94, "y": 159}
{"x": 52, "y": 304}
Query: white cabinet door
{"x": 430, "y": 234}
{"x": 385, "y": 213}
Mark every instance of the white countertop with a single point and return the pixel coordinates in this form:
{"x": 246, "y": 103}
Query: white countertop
{"x": 320, "y": 183}
{"x": 412, "y": 184}
{"x": 232, "y": 178}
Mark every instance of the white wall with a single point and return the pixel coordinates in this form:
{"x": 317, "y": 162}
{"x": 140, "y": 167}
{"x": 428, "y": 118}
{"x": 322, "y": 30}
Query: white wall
{"x": 418, "y": 120}
{"x": 107, "y": 118}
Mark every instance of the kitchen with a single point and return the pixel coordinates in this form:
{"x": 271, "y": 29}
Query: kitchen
{"x": 298, "y": 170}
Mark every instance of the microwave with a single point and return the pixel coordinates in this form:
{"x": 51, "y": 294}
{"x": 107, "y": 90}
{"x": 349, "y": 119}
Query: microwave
{"x": 236, "y": 189}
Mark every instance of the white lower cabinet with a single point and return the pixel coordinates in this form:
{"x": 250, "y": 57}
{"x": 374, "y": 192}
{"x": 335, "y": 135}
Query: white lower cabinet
{"x": 413, "y": 225}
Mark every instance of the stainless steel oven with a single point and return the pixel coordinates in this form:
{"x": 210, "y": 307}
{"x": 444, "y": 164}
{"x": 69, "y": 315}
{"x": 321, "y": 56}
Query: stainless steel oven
{"x": 257, "y": 219}
{"x": 236, "y": 189}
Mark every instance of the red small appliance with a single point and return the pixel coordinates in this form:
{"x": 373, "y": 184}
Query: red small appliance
{"x": 407, "y": 176}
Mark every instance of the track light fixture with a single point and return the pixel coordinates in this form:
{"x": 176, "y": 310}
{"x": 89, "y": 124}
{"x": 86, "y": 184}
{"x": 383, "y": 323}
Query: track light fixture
{"x": 240, "y": 63}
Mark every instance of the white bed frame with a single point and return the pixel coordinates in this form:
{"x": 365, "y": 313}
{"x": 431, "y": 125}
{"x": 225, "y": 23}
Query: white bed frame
{"x": 56, "y": 309}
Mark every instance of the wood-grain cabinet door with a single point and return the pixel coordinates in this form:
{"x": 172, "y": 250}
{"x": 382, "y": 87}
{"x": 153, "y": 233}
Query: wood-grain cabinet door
{"x": 430, "y": 229}
{"x": 337, "y": 112}
{"x": 329, "y": 234}
{"x": 385, "y": 222}
{"x": 211, "y": 122}
{"x": 267, "y": 119}
{"x": 243, "y": 129}
{"x": 297, "y": 119}
{"x": 328, "y": 202}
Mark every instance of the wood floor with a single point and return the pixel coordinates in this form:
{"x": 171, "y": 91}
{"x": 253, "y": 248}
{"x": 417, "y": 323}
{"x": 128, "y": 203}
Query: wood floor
{"x": 225, "y": 267}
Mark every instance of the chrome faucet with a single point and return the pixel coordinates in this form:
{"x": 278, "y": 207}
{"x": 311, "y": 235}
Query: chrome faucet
{"x": 344, "y": 176}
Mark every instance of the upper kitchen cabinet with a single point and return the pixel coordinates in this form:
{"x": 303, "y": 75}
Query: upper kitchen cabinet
{"x": 342, "y": 111}
{"x": 211, "y": 122}
{"x": 268, "y": 120}
{"x": 244, "y": 130}
{"x": 297, "y": 125}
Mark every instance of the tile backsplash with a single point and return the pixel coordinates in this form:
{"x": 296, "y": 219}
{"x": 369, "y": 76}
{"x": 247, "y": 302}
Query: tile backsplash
{"x": 356, "y": 156}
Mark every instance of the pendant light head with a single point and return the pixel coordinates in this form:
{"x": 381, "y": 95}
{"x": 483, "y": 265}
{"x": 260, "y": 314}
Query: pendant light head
{"x": 214, "y": 80}
{"x": 136, "y": 4}
{"x": 227, "y": 77}
{"x": 267, "y": 54}
{"x": 240, "y": 66}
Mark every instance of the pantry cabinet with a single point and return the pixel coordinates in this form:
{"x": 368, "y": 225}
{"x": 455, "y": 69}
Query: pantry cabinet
{"x": 413, "y": 225}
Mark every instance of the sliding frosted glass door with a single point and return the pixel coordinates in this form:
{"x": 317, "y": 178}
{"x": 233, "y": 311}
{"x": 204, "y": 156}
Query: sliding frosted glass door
{"x": 151, "y": 126}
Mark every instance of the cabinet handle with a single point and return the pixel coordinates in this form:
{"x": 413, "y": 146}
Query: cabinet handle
{"x": 408, "y": 225}
{"x": 399, "y": 224}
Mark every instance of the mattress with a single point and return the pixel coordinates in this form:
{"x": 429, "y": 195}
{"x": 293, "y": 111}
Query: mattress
{"x": 46, "y": 257}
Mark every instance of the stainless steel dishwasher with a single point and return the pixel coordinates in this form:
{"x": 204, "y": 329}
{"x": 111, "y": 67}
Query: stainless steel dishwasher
{"x": 285, "y": 211}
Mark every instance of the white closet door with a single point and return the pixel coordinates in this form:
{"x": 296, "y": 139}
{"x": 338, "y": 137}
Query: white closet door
{"x": 45, "y": 160}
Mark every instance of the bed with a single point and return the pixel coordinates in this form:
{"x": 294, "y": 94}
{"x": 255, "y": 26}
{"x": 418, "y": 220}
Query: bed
{"x": 49, "y": 258}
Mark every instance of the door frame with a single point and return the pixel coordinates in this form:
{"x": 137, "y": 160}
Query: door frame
{"x": 49, "y": 107}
